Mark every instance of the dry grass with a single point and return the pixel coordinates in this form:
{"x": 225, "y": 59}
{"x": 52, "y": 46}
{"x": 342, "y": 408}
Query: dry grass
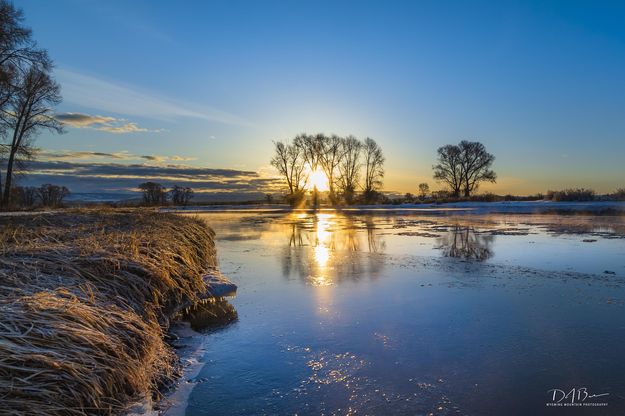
{"x": 84, "y": 298}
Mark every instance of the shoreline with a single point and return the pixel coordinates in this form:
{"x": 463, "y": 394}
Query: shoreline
{"x": 189, "y": 348}
{"x": 503, "y": 207}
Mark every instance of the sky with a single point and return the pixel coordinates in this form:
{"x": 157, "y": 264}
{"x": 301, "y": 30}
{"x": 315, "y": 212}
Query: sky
{"x": 202, "y": 88}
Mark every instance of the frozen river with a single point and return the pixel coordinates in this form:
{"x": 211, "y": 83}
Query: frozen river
{"x": 417, "y": 313}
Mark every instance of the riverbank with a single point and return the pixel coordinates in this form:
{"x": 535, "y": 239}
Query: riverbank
{"x": 85, "y": 301}
{"x": 470, "y": 207}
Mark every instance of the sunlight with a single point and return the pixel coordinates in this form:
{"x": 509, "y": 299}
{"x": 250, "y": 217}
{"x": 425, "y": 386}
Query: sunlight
{"x": 317, "y": 178}
{"x": 322, "y": 255}
{"x": 322, "y": 249}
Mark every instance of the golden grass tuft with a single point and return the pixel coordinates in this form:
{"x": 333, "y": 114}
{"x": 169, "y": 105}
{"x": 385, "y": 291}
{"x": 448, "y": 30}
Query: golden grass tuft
{"x": 85, "y": 296}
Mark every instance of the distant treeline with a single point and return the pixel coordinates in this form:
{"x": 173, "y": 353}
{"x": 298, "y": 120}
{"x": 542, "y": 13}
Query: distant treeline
{"x": 584, "y": 194}
{"x": 354, "y": 168}
{"x": 565, "y": 195}
{"x": 47, "y": 195}
{"x": 156, "y": 194}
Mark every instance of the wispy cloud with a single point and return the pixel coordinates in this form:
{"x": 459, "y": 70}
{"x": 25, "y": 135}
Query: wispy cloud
{"x": 154, "y": 158}
{"x": 112, "y": 97}
{"x": 101, "y": 123}
{"x": 79, "y": 120}
{"x": 177, "y": 158}
{"x": 71, "y": 155}
{"x": 47, "y": 154}
{"x": 125, "y": 128}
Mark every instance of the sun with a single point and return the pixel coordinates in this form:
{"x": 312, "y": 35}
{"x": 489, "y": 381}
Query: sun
{"x": 317, "y": 178}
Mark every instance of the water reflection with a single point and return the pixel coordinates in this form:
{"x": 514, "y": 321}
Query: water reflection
{"x": 466, "y": 243}
{"x": 326, "y": 248}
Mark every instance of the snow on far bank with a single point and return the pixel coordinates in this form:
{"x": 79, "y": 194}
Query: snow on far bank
{"x": 503, "y": 207}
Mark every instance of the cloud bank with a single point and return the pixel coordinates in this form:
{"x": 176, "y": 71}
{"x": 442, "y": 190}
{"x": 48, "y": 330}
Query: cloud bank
{"x": 118, "y": 177}
{"x": 72, "y": 155}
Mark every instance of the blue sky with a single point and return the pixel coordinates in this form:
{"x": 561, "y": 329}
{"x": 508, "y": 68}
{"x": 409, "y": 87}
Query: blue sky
{"x": 211, "y": 84}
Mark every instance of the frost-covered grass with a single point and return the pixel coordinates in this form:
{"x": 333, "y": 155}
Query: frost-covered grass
{"x": 85, "y": 297}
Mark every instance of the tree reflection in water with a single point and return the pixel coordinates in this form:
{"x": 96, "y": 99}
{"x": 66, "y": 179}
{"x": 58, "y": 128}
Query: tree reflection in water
{"x": 465, "y": 243}
{"x": 326, "y": 248}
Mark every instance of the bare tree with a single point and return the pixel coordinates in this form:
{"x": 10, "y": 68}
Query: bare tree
{"x": 52, "y": 195}
{"x": 181, "y": 195}
{"x": 153, "y": 193}
{"x": 349, "y": 167}
{"x": 476, "y": 163}
{"x": 29, "y": 112}
{"x": 374, "y": 168}
{"x": 18, "y": 52}
{"x": 312, "y": 148}
{"x": 330, "y": 160}
{"x": 424, "y": 190}
{"x": 24, "y": 196}
{"x": 462, "y": 167}
{"x": 449, "y": 169}
{"x": 290, "y": 163}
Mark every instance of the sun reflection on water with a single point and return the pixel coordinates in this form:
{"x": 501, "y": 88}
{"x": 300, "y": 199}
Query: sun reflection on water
{"x": 326, "y": 247}
{"x": 322, "y": 249}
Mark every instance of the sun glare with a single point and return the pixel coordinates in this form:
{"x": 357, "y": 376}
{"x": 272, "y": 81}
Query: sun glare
{"x": 317, "y": 178}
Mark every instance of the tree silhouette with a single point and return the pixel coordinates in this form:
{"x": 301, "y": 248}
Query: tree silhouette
{"x": 26, "y": 91}
{"x": 332, "y": 153}
{"x": 29, "y": 111}
{"x": 181, "y": 195}
{"x": 153, "y": 193}
{"x": 476, "y": 163}
{"x": 17, "y": 51}
{"x": 462, "y": 167}
{"x": 311, "y": 147}
{"x": 349, "y": 167}
{"x": 449, "y": 170}
{"x": 424, "y": 190}
{"x": 374, "y": 169}
{"x": 52, "y": 195}
{"x": 24, "y": 196}
{"x": 289, "y": 160}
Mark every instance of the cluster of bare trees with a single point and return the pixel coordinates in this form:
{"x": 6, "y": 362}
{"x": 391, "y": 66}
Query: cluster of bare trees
{"x": 28, "y": 95}
{"x": 348, "y": 163}
{"x": 47, "y": 195}
{"x": 463, "y": 166}
{"x": 156, "y": 194}
{"x": 153, "y": 193}
{"x": 52, "y": 195}
{"x": 180, "y": 195}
